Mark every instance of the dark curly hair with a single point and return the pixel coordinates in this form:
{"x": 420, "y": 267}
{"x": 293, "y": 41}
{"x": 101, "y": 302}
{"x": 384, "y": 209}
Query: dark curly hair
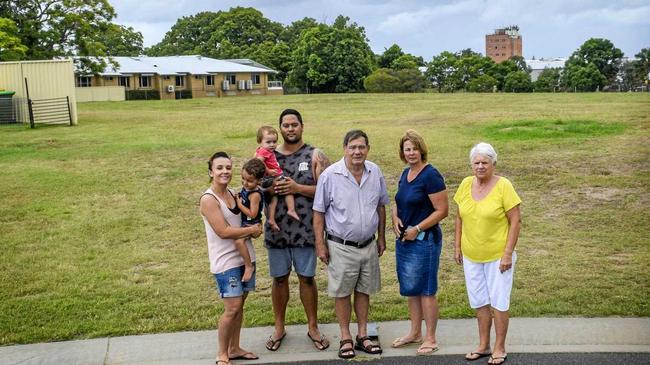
{"x": 255, "y": 167}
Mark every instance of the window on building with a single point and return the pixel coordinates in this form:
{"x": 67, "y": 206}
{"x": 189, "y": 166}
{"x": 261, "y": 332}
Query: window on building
{"x": 180, "y": 81}
{"x": 145, "y": 81}
{"x": 256, "y": 79}
{"x": 165, "y": 77}
{"x": 124, "y": 81}
{"x": 209, "y": 80}
{"x": 231, "y": 78}
{"x": 84, "y": 81}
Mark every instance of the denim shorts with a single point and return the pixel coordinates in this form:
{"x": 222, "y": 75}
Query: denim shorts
{"x": 303, "y": 260}
{"x": 417, "y": 266}
{"x": 230, "y": 285}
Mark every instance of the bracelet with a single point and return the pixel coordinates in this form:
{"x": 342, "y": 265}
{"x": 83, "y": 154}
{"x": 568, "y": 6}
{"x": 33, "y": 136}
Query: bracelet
{"x": 417, "y": 226}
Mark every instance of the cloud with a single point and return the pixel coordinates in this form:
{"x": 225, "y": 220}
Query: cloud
{"x": 427, "y": 27}
{"x": 413, "y": 21}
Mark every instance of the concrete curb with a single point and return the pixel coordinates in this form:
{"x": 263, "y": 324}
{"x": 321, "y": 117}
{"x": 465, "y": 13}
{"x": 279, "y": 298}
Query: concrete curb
{"x": 526, "y": 335}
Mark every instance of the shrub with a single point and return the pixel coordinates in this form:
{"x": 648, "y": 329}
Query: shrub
{"x": 518, "y": 82}
{"x": 381, "y": 81}
{"x": 482, "y": 84}
{"x": 142, "y": 95}
{"x": 183, "y": 94}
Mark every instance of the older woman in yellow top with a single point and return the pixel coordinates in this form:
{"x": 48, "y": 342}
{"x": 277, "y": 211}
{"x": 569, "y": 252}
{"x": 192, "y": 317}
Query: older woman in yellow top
{"x": 487, "y": 229}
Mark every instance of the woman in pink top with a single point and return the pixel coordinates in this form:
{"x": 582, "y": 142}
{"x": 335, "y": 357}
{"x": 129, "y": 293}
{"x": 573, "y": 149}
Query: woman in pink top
{"x": 223, "y": 227}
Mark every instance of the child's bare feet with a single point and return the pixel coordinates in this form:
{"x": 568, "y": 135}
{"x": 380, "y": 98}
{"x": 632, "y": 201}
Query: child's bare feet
{"x": 248, "y": 273}
{"x": 293, "y": 214}
{"x": 274, "y": 226}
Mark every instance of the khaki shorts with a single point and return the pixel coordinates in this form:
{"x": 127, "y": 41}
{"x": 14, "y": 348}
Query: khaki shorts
{"x": 352, "y": 269}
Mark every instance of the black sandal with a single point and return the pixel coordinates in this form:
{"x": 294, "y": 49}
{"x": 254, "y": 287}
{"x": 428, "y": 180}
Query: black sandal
{"x": 372, "y": 348}
{"x": 321, "y": 342}
{"x": 346, "y": 353}
{"x": 274, "y": 345}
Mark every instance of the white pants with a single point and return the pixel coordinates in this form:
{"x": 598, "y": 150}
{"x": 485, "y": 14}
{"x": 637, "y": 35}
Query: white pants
{"x": 487, "y": 285}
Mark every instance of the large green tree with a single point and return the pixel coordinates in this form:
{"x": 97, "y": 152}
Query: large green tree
{"x": 237, "y": 33}
{"x": 390, "y": 54}
{"x": 501, "y": 70}
{"x": 598, "y": 52}
{"x": 119, "y": 40}
{"x": 548, "y": 80}
{"x": 53, "y": 28}
{"x": 482, "y": 84}
{"x": 333, "y": 58}
{"x": 583, "y": 78}
{"x": 518, "y": 82}
{"x": 11, "y": 49}
{"x": 442, "y": 72}
{"x": 291, "y": 33}
{"x": 644, "y": 60}
{"x": 190, "y": 35}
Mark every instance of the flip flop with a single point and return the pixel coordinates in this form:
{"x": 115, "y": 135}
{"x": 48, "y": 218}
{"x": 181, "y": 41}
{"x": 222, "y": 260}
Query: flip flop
{"x": 429, "y": 350}
{"x": 346, "y": 353}
{"x": 271, "y": 343}
{"x": 372, "y": 348}
{"x": 321, "y": 342}
{"x": 400, "y": 342}
{"x": 246, "y": 356}
{"x": 222, "y": 362}
{"x": 480, "y": 355}
{"x": 492, "y": 358}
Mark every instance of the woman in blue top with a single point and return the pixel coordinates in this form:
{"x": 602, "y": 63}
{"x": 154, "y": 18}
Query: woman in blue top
{"x": 421, "y": 203}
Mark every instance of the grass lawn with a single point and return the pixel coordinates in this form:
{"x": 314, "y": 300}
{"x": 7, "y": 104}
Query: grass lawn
{"x": 100, "y": 232}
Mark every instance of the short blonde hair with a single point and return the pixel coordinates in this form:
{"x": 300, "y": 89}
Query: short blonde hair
{"x": 417, "y": 140}
{"x": 265, "y": 129}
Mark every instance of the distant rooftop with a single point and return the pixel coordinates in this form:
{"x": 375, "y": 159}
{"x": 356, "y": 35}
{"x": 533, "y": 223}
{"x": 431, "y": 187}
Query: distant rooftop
{"x": 511, "y": 30}
{"x": 542, "y": 63}
{"x": 181, "y": 65}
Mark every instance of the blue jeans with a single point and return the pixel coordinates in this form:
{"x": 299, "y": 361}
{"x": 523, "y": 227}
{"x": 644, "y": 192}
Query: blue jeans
{"x": 230, "y": 285}
{"x": 417, "y": 266}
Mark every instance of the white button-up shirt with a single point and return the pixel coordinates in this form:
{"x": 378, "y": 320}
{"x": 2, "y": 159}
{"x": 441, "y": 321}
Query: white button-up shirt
{"x": 350, "y": 209}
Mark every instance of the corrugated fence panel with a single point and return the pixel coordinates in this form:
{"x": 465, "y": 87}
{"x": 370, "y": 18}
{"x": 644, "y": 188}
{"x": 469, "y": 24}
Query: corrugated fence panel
{"x": 46, "y": 79}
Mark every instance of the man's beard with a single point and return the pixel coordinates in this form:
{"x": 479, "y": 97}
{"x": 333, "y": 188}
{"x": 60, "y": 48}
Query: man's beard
{"x": 292, "y": 141}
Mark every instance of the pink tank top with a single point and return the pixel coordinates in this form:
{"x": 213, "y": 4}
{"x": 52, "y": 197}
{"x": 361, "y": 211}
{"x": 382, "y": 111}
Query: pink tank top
{"x": 222, "y": 252}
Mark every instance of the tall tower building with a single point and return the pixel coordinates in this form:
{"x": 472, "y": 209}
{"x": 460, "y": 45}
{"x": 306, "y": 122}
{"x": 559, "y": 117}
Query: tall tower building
{"x": 503, "y": 44}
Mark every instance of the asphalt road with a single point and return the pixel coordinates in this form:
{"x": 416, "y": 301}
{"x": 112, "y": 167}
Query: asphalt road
{"x": 601, "y": 358}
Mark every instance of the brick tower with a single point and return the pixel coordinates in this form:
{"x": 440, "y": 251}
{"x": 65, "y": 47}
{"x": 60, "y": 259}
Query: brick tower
{"x": 503, "y": 44}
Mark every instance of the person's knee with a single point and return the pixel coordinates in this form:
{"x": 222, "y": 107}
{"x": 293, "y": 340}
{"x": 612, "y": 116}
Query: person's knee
{"x": 307, "y": 280}
{"x": 281, "y": 280}
{"x": 232, "y": 311}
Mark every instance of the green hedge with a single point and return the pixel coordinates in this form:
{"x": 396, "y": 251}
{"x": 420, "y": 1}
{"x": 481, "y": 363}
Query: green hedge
{"x": 142, "y": 95}
{"x": 183, "y": 94}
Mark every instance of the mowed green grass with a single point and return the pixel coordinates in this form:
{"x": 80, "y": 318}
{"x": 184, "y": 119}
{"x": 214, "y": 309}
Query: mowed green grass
{"x": 100, "y": 233}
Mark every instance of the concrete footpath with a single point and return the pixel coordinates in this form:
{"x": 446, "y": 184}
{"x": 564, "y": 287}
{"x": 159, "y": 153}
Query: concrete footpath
{"x": 526, "y": 335}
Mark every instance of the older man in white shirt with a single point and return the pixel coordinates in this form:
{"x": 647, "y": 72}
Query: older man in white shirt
{"x": 349, "y": 208}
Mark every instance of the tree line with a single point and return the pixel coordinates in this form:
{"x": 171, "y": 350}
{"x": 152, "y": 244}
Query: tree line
{"x": 309, "y": 56}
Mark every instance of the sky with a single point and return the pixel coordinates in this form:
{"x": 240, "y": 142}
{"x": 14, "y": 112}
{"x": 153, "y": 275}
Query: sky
{"x": 549, "y": 28}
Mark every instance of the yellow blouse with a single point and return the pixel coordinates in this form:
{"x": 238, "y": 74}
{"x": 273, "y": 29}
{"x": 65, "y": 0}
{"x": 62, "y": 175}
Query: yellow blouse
{"x": 485, "y": 224}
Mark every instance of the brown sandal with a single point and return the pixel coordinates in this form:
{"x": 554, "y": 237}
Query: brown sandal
{"x": 372, "y": 348}
{"x": 346, "y": 353}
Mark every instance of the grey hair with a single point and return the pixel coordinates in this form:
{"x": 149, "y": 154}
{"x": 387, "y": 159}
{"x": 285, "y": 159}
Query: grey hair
{"x": 484, "y": 149}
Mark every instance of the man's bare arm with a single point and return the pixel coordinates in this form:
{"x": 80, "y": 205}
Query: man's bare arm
{"x": 319, "y": 162}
